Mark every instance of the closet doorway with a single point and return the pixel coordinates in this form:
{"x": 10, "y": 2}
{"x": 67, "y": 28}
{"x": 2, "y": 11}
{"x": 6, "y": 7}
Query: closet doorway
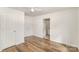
{"x": 47, "y": 28}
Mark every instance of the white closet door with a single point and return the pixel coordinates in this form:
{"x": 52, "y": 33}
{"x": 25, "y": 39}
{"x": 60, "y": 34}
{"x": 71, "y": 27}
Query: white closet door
{"x": 7, "y": 30}
{"x": 11, "y": 27}
{"x": 2, "y": 35}
{"x": 11, "y": 30}
{"x": 3, "y": 31}
{"x": 19, "y": 28}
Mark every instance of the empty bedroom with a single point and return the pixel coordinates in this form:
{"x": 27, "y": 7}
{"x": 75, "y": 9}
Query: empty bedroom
{"x": 39, "y": 29}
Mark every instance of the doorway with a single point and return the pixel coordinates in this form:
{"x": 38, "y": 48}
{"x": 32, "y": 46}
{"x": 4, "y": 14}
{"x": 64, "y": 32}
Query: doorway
{"x": 47, "y": 28}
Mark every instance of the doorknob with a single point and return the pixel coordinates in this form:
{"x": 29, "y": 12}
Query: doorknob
{"x": 14, "y": 31}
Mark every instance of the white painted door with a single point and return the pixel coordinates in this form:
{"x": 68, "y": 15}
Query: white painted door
{"x": 19, "y": 28}
{"x": 8, "y": 30}
{"x": 11, "y": 30}
{"x": 11, "y": 27}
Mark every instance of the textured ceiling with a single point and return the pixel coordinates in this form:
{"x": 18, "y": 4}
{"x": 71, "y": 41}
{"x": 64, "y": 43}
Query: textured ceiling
{"x": 39, "y": 10}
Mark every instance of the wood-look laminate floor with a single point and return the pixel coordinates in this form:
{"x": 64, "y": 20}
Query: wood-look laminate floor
{"x": 36, "y": 44}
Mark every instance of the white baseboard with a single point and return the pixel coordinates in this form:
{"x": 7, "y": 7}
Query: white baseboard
{"x": 38, "y": 35}
{"x": 65, "y": 43}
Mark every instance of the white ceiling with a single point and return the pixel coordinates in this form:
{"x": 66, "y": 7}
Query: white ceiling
{"x": 40, "y": 10}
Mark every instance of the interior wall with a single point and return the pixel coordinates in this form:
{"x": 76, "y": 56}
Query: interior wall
{"x": 63, "y": 26}
{"x": 78, "y": 26}
{"x": 28, "y": 24}
{"x": 38, "y": 26}
{"x": 11, "y": 27}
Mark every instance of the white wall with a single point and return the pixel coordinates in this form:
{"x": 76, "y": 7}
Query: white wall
{"x": 78, "y": 27}
{"x": 38, "y": 26}
{"x": 28, "y": 24}
{"x": 11, "y": 27}
{"x": 63, "y": 26}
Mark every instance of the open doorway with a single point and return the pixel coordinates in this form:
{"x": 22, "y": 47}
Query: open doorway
{"x": 47, "y": 28}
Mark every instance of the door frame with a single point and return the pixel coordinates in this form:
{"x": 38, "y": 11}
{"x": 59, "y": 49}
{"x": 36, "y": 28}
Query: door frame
{"x": 44, "y": 28}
